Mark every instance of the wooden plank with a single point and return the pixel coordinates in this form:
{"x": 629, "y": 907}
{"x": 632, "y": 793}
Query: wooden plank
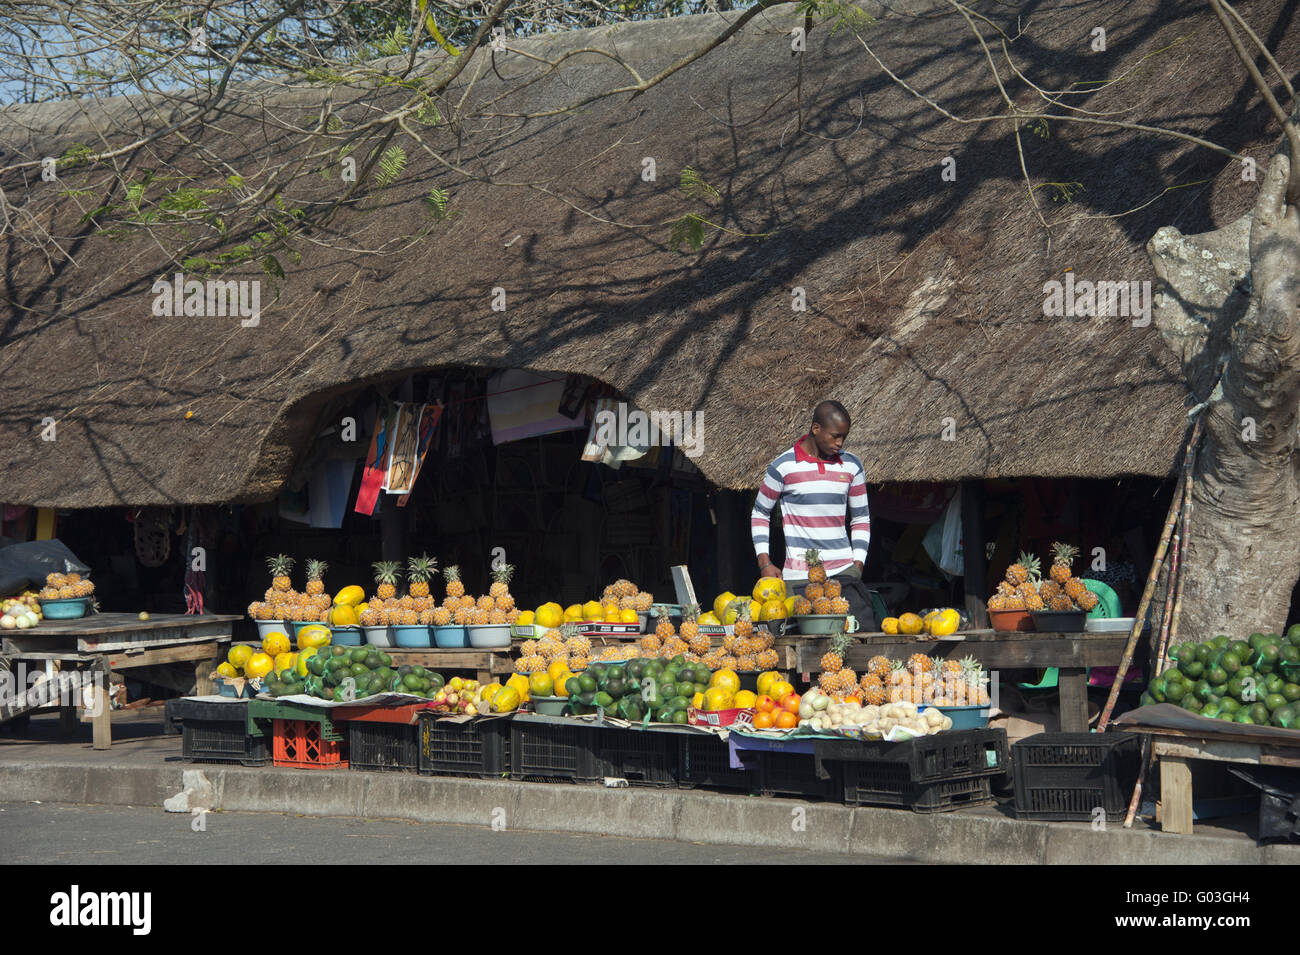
{"x": 130, "y": 623}
{"x": 1072, "y": 693}
{"x": 177, "y": 654}
{"x": 1217, "y": 750}
{"x": 100, "y": 723}
{"x": 685, "y": 590}
{"x": 1015, "y": 651}
{"x": 51, "y": 641}
{"x": 1176, "y": 795}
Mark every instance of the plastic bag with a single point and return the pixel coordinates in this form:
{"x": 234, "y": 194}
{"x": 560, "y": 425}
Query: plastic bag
{"x": 25, "y": 566}
{"x": 943, "y": 540}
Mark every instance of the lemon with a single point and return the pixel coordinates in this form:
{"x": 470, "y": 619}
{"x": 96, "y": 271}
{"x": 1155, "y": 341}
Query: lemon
{"x": 710, "y": 619}
{"x": 573, "y": 613}
{"x": 275, "y": 643}
{"x": 889, "y": 625}
{"x": 227, "y": 670}
{"x": 774, "y": 609}
{"x": 697, "y": 701}
{"x": 525, "y": 619}
{"x": 541, "y": 684}
{"x": 628, "y": 616}
{"x": 549, "y": 615}
{"x": 557, "y": 670}
{"x": 744, "y": 699}
{"x": 238, "y": 655}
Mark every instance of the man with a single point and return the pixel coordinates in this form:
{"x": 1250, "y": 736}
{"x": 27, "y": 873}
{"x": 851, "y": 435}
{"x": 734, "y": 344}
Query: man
{"x": 816, "y": 481}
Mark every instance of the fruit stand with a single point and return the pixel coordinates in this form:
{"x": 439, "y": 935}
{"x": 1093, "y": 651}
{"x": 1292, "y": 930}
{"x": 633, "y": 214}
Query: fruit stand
{"x": 1073, "y": 653}
{"x": 121, "y": 641}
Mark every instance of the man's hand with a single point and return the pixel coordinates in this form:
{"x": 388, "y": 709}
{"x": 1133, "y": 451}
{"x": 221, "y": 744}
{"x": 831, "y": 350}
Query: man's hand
{"x": 858, "y": 564}
{"x": 766, "y": 568}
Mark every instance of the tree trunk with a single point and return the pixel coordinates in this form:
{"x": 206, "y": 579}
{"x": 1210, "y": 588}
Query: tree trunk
{"x": 1228, "y": 300}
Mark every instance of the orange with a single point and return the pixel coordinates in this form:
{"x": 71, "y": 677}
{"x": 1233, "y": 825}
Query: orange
{"x": 779, "y": 691}
{"x": 764, "y": 721}
{"x": 791, "y": 703}
{"x": 765, "y": 704}
{"x": 786, "y": 720}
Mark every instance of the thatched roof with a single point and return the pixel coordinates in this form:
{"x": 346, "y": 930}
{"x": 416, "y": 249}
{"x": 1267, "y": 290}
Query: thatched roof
{"x": 924, "y": 296}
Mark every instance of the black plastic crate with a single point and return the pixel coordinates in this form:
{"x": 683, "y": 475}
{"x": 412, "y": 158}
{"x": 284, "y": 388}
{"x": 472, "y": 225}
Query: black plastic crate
{"x": 1067, "y": 776}
{"x": 387, "y": 747}
{"x": 217, "y": 733}
{"x": 478, "y": 748}
{"x": 955, "y": 754}
{"x": 891, "y": 784}
{"x": 796, "y": 774}
{"x": 553, "y": 752}
{"x": 642, "y": 757}
{"x": 706, "y": 763}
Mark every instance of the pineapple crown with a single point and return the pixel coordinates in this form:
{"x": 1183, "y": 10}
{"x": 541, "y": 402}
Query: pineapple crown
{"x": 503, "y": 573}
{"x": 280, "y": 564}
{"x": 813, "y": 557}
{"x": 742, "y": 608}
{"x": 422, "y": 568}
{"x": 568, "y": 630}
{"x": 1063, "y": 554}
{"x": 316, "y": 569}
{"x": 451, "y": 572}
{"x": 387, "y": 571}
{"x": 691, "y": 612}
{"x": 841, "y": 642}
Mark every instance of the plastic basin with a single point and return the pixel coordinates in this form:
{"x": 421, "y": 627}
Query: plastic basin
{"x": 412, "y": 637}
{"x": 489, "y": 636}
{"x": 346, "y": 636}
{"x": 965, "y": 717}
{"x": 551, "y": 705}
{"x": 453, "y": 636}
{"x": 265, "y": 627}
{"x": 69, "y": 609}
{"x": 820, "y": 623}
{"x": 1010, "y": 621}
{"x": 1060, "y": 621}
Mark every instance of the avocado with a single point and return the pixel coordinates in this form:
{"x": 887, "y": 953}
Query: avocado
{"x": 373, "y": 661}
{"x": 358, "y": 654}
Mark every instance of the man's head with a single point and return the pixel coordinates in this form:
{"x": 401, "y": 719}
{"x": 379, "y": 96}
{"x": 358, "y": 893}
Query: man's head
{"x": 830, "y": 426}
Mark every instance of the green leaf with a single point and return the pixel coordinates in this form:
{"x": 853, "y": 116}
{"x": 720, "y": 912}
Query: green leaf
{"x": 437, "y": 199}
{"x": 694, "y": 186}
{"x": 271, "y": 266}
{"x": 689, "y": 229}
{"x": 391, "y": 164}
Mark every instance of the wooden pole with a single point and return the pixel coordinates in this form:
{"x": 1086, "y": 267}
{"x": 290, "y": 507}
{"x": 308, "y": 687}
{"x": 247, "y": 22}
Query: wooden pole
{"x": 1169, "y": 625}
{"x": 1156, "y": 564}
{"x": 972, "y": 536}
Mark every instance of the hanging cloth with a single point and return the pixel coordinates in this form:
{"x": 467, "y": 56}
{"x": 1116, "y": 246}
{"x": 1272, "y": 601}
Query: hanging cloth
{"x": 375, "y": 471}
{"x": 429, "y": 417}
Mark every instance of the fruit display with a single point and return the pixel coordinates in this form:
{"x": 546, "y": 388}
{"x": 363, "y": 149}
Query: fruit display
{"x": 664, "y": 688}
{"x": 896, "y": 722}
{"x": 942, "y": 622}
{"x": 65, "y": 587}
{"x": 822, "y": 595}
{"x": 462, "y": 697}
{"x": 21, "y": 612}
{"x": 1253, "y": 681}
{"x": 1025, "y": 589}
{"x": 932, "y": 680}
{"x": 282, "y": 602}
{"x": 275, "y": 655}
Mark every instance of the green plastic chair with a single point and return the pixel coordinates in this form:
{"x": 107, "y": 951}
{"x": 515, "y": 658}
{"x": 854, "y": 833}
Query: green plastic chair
{"x": 878, "y": 605}
{"x": 1107, "y": 606}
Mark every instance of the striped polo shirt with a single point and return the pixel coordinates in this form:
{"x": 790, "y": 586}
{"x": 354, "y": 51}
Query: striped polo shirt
{"x": 814, "y": 496}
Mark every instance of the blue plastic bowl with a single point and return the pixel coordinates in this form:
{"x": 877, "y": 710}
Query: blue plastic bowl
{"x": 451, "y": 637}
{"x": 412, "y": 637}
{"x": 69, "y": 609}
{"x": 965, "y": 717}
{"x": 346, "y": 636}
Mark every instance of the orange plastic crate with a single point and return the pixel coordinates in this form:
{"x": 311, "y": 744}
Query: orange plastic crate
{"x": 298, "y": 744}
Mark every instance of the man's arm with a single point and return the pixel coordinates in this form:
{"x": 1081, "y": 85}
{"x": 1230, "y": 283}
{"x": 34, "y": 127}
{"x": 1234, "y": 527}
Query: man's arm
{"x": 760, "y": 519}
{"x": 859, "y": 518}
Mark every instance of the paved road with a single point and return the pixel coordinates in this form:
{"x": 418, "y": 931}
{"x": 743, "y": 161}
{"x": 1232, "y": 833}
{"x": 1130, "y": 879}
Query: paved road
{"x": 59, "y": 833}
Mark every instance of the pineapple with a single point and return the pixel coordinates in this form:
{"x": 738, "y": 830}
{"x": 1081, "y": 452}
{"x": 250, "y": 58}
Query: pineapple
{"x": 426, "y": 618}
{"x": 951, "y": 668}
{"x": 1005, "y": 589}
{"x": 315, "y": 577}
{"x": 919, "y": 663}
{"x": 824, "y": 605}
{"x": 747, "y": 663}
{"x": 500, "y": 589}
{"x": 1061, "y": 603}
{"x": 650, "y": 645}
{"x": 1020, "y": 571}
{"x": 814, "y": 592}
{"x": 690, "y": 622}
{"x": 386, "y": 575}
{"x": 1088, "y": 600}
{"x": 1063, "y": 556}
{"x": 419, "y": 571}
{"x": 832, "y": 588}
{"x": 1048, "y": 589}
{"x": 768, "y": 659}
{"x": 664, "y": 629}
{"x": 626, "y": 603}
{"x": 1035, "y": 602}
{"x": 832, "y": 676}
{"x": 623, "y": 588}
{"x": 802, "y": 606}
{"x": 281, "y": 566}
{"x": 1014, "y": 602}
{"x": 455, "y": 587}
{"x": 441, "y": 617}
{"x": 880, "y": 667}
{"x": 744, "y": 626}
{"x": 816, "y": 570}
{"x": 1074, "y": 590}
{"x": 839, "y": 605}
{"x": 643, "y": 601}
{"x": 486, "y": 604}
{"x": 578, "y": 646}
{"x": 873, "y": 691}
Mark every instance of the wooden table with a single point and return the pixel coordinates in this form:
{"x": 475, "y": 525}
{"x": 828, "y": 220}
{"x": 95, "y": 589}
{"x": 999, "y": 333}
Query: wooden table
{"x": 1071, "y": 653}
{"x": 1175, "y": 748}
{"x": 105, "y": 642}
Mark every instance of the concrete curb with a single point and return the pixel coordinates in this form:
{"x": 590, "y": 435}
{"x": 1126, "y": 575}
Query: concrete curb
{"x": 971, "y": 837}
